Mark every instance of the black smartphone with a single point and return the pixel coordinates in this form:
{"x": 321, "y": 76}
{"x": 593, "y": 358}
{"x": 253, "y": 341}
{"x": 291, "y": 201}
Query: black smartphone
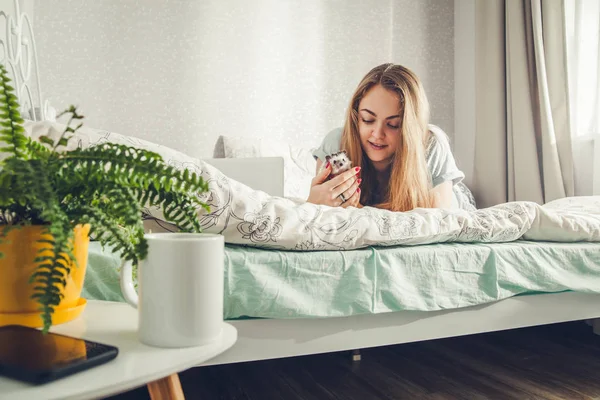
{"x": 29, "y": 355}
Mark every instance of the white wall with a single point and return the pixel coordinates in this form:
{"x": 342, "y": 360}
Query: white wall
{"x": 181, "y": 73}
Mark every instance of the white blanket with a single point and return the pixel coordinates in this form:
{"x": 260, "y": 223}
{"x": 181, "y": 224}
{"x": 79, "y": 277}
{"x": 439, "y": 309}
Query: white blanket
{"x": 250, "y": 217}
{"x": 245, "y": 216}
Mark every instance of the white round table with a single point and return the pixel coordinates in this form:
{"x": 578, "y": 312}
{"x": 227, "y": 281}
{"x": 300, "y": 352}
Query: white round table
{"x": 136, "y": 365}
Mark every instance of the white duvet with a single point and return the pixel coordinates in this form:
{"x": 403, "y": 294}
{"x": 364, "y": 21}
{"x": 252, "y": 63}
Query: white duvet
{"x": 245, "y": 216}
{"x": 250, "y": 217}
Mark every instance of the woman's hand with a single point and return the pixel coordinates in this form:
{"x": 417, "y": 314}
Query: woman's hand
{"x": 354, "y": 200}
{"x": 342, "y": 190}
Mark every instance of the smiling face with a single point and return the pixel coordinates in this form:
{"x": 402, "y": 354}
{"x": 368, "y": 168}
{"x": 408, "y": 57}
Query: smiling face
{"x": 379, "y": 125}
{"x": 385, "y": 132}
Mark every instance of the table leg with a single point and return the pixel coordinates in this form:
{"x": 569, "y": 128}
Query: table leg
{"x": 168, "y": 388}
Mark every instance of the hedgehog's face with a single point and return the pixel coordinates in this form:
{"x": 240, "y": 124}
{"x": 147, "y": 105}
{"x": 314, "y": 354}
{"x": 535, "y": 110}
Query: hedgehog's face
{"x": 339, "y": 162}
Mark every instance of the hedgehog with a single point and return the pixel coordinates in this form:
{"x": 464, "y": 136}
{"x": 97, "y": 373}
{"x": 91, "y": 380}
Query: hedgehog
{"x": 339, "y": 163}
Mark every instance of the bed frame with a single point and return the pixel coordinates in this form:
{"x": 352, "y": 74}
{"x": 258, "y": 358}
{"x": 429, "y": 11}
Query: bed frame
{"x": 261, "y": 339}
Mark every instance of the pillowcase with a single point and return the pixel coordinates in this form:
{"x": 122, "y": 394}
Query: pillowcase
{"x": 86, "y": 137}
{"x": 299, "y": 166}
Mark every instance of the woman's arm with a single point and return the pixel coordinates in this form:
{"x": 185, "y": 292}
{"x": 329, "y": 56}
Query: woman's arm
{"x": 442, "y": 195}
{"x": 444, "y": 172}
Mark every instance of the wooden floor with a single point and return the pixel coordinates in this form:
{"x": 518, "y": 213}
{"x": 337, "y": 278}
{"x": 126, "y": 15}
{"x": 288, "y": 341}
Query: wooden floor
{"x": 559, "y": 361}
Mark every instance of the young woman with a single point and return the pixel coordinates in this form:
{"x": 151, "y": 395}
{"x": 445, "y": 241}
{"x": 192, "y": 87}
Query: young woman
{"x": 400, "y": 161}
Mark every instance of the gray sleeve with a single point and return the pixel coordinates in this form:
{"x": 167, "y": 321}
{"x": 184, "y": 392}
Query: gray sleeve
{"x": 331, "y": 144}
{"x": 440, "y": 160}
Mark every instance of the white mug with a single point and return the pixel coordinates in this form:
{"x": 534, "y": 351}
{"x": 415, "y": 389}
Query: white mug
{"x": 180, "y": 287}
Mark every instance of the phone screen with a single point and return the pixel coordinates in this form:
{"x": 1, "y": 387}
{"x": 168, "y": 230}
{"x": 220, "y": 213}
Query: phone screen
{"x": 29, "y": 351}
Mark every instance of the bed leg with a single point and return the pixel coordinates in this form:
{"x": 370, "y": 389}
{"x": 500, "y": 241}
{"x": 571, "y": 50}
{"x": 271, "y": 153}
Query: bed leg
{"x": 595, "y": 324}
{"x": 355, "y": 355}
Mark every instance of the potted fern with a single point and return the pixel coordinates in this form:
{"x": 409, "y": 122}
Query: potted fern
{"x": 52, "y": 200}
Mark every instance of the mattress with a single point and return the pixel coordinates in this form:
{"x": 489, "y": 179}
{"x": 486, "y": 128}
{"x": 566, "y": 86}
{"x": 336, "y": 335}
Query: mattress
{"x": 301, "y": 284}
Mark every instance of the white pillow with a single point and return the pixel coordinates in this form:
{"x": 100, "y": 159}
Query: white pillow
{"x": 298, "y": 163}
{"x": 86, "y": 137}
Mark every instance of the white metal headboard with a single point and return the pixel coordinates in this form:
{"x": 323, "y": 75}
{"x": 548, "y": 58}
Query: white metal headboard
{"x": 19, "y": 56}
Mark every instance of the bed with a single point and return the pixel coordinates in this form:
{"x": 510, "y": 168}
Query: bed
{"x": 346, "y": 299}
{"x": 297, "y": 326}
{"x": 289, "y": 303}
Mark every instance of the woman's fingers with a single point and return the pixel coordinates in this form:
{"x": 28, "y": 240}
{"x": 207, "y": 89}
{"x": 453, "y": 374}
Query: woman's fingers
{"x": 352, "y": 189}
{"x": 347, "y": 188}
{"x": 344, "y": 177}
{"x": 352, "y": 195}
{"x": 341, "y": 183}
{"x": 322, "y": 175}
{"x": 354, "y": 200}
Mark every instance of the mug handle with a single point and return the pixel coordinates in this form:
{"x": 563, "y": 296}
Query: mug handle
{"x": 127, "y": 288}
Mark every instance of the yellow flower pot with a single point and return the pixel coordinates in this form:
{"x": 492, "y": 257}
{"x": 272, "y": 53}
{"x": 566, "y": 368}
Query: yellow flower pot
{"x": 20, "y": 248}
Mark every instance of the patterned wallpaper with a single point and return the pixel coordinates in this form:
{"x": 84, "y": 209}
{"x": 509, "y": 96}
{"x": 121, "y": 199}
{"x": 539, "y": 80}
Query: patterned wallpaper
{"x": 181, "y": 73}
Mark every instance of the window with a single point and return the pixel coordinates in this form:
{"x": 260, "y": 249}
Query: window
{"x": 583, "y": 55}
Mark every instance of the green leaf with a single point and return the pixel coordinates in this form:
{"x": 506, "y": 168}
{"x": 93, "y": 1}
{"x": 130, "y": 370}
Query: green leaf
{"x": 46, "y": 140}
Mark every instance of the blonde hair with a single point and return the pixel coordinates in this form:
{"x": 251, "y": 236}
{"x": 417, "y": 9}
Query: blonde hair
{"x": 410, "y": 182}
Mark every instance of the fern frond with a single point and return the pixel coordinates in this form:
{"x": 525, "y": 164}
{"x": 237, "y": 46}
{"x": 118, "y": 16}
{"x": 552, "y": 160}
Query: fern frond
{"x": 140, "y": 168}
{"x": 36, "y": 149}
{"x": 151, "y": 180}
{"x": 30, "y": 184}
{"x": 132, "y": 246}
{"x": 118, "y": 162}
{"x": 12, "y": 139}
{"x": 115, "y": 199}
{"x": 50, "y": 276}
{"x": 180, "y": 209}
{"x": 119, "y": 201}
{"x": 7, "y": 187}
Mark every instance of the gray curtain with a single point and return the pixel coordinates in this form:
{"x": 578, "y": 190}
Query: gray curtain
{"x": 523, "y": 141}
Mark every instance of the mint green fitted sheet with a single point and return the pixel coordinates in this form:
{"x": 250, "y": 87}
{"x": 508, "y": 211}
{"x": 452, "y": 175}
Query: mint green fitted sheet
{"x": 290, "y": 284}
